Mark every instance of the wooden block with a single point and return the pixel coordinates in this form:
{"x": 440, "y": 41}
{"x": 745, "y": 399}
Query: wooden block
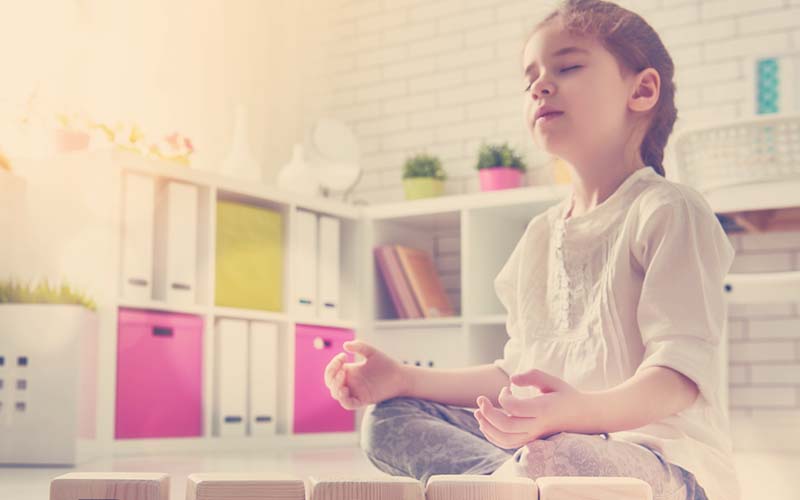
{"x": 110, "y": 486}
{"x": 223, "y": 486}
{"x": 593, "y": 488}
{"x": 378, "y": 488}
{"x": 478, "y": 487}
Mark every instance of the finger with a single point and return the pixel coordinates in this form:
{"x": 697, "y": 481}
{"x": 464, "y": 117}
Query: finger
{"x": 502, "y": 420}
{"x": 337, "y": 382}
{"x": 544, "y": 381}
{"x": 504, "y": 439}
{"x": 521, "y": 407}
{"x": 333, "y": 366}
{"x": 483, "y": 426}
{"x": 359, "y": 347}
{"x": 351, "y": 403}
{"x": 338, "y": 379}
{"x": 499, "y": 438}
{"x": 503, "y": 398}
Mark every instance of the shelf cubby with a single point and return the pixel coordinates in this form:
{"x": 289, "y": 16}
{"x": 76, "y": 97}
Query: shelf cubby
{"x": 421, "y": 232}
{"x": 503, "y": 227}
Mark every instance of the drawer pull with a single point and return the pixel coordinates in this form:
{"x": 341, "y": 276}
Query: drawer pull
{"x": 320, "y": 343}
{"x": 181, "y": 286}
{"x": 159, "y": 331}
{"x": 137, "y": 281}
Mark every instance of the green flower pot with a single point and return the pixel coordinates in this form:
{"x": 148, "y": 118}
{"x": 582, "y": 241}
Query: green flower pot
{"x": 422, "y": 187}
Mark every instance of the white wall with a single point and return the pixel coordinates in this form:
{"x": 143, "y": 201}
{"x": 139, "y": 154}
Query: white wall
{"x": 167, "y": 65}
{"x": 441, "y": 75}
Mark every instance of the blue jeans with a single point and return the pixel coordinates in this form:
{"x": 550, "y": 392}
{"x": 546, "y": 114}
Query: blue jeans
{"x": 419, "y": 438}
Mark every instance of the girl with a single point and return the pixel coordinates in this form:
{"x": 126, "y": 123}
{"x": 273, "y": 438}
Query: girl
{"x": 614, "y": 298}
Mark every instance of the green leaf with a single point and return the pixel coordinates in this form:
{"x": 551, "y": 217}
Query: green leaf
{"x": 14, "y": 292}
{"x": 499, "y": 155}
{"x": 424, "y": 165}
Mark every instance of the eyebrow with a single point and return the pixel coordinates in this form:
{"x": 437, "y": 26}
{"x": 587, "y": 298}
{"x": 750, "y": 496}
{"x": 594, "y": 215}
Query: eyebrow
{"x": 560, "y": 52}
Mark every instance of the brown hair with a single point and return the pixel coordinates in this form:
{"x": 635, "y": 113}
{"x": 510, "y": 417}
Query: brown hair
{"x": 636, "y": 47}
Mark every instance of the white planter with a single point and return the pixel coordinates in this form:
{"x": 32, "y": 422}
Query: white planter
{"x": 49, "y": 379}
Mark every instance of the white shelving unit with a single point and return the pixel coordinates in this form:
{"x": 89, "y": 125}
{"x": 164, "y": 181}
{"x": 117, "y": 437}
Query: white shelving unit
{"x": 107, "y": 170}
{"x": 485, "y": 225}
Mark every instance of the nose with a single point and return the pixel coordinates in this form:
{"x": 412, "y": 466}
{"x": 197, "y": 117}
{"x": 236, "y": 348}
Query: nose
{"x": 541, "y": 89}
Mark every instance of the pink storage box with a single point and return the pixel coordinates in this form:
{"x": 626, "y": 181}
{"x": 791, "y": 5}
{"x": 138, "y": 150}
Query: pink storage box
{"x": 314, "y": 409}
{"x": 159, "y": 375}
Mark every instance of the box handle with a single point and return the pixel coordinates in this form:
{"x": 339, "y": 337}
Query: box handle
{"x": 137, "y": 281}
{"x": 320, "y": 343}
{"x": 160, "y": 331}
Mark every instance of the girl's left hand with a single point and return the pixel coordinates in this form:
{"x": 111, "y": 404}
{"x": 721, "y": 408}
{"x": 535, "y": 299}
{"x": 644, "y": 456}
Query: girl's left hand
{"x": 518, "y": 421}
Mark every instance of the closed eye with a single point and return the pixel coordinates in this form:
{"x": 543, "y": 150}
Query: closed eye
{"x": 563, "y": 70}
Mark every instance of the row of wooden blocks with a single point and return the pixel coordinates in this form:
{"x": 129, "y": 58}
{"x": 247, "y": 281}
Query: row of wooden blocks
{"x": 219, "y": 486}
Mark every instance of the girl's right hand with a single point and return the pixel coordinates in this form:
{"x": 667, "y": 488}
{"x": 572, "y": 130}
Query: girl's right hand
{"x": 354, "y": 385}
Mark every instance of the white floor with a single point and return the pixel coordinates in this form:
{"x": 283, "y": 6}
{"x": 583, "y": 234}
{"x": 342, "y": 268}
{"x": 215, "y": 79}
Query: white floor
{"x": 773, "y": 476}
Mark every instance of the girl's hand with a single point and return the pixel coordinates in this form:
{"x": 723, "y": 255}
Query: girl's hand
{"x": 518, "y": 421}
{"x": 354, "y": 385}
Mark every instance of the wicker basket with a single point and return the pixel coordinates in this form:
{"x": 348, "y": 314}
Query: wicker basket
{"x": 753, "y": 150}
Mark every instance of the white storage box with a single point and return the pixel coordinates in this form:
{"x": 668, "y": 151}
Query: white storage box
{"x": 49, "y": 377}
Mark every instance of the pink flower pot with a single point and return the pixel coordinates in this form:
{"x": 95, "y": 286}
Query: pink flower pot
{"x": 70, "y": 140}
{"x": 500, "y": 178}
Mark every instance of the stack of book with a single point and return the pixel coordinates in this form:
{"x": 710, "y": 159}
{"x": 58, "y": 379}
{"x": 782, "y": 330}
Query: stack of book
{"x": 412, "y": 282}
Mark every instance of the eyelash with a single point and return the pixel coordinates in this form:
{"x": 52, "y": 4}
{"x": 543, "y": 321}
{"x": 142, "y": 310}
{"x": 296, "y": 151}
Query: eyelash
{"x": 569, "y": 68}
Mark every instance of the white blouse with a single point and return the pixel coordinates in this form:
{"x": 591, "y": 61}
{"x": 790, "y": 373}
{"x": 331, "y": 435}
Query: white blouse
{"x": 635, "y": 282}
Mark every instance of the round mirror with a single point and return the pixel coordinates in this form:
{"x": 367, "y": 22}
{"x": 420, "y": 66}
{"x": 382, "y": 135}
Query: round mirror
{"x": 332, "y": 151}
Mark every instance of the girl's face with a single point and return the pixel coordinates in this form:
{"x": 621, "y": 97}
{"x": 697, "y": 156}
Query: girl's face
{"x": 577, "y": 77}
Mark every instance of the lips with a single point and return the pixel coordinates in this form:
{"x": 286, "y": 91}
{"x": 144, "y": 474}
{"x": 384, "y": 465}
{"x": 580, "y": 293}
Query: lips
{"x": 550, "y": 114}
{"x": 546, "y": 112}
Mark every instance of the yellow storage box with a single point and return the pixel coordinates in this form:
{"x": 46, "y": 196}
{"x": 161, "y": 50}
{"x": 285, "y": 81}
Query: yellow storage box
{"x": 249, "y": 260}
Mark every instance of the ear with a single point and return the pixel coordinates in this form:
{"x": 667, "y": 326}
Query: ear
{"x": 646, "y": 89}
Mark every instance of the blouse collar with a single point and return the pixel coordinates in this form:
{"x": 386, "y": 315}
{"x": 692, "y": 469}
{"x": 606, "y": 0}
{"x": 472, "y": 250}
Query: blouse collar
{"x": 601, "y": 217}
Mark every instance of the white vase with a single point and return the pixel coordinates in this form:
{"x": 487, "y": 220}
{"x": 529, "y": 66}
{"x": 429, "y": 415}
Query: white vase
{"x": 296, "y": 176}
{"x": 50, "y": 383}
{"x": 240, "y": 162}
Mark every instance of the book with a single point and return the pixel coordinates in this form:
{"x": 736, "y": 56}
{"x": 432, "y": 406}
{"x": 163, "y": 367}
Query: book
{"x": 383, "y": 266}
{"x": 425, "y": 283}
{"x": 399, "y": 289}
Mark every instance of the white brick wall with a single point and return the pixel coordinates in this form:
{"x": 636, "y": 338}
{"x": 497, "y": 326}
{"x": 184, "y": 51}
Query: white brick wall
{"x": 443, "y": 75}
{"x": 765, "y": 339}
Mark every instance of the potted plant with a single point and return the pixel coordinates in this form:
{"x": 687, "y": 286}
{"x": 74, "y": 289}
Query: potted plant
{"x": 499, "y": 167}
{"x": 71, "y": 133}
{"x": 48, "y": 358}
{"x": 423, "y": 177}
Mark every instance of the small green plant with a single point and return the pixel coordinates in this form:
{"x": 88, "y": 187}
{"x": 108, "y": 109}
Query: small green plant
{"x": 12, "y": 291}
{"x": 424, "y": 165}
{"x": 499, "y": 155}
